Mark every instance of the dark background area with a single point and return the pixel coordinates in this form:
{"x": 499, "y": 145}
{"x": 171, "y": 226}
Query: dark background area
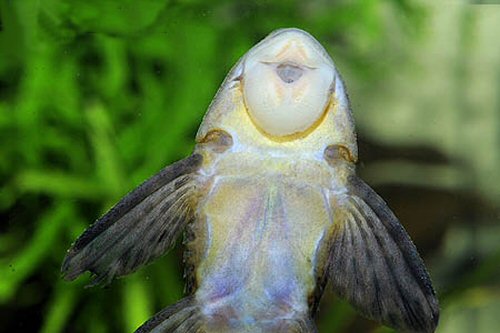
{"x": 96, "y": 96}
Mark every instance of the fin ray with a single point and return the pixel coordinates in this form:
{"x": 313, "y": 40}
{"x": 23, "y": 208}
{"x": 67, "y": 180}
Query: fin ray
{"x": 181, "y": 317}
{"x": 374, "y": 264}
{"x": 140, "y": 228}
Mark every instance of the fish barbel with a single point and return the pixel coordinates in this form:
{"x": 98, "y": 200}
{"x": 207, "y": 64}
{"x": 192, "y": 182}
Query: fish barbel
{"x": 272, "y": 210}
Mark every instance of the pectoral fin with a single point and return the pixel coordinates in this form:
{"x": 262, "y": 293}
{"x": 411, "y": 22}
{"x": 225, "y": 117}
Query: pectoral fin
{"x": 141, "y": 227}
{"x": 374, "y": 264}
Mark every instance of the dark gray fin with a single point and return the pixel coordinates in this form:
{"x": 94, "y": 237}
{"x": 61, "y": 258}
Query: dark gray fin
{"x": 305, "y": 325}
{"x": 374, "y": 264}
{"x": 182, "y": 317}
{"x": 140, "y": 228}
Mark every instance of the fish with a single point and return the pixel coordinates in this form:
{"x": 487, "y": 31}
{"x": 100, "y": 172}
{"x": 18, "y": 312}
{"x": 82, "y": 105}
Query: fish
{"x": 271, "y": 210}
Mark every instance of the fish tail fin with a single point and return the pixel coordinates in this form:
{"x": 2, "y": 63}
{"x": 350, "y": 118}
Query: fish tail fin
{"x": 181, "y": 317}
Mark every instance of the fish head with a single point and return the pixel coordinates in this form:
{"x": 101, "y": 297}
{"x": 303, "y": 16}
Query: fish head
{"x": 284, "y": 93}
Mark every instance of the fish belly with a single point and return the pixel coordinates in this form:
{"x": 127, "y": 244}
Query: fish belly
{"x": 262, "y": 238}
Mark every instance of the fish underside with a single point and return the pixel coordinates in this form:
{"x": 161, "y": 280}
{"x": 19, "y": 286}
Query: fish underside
{"x": 262, "y": 238}
{"x": 272, "y": 208}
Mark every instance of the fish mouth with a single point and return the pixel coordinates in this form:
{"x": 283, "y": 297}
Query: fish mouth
{"x": 288, "y": 72}
{"x": 287, "y": 80}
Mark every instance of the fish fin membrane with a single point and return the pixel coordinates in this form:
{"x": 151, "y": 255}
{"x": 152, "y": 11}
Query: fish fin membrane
{"x": 374, "y": 264}
{"x": 139, "y": 228}
{"x": 305, "y": 325}
{"x": 181, "y": 317}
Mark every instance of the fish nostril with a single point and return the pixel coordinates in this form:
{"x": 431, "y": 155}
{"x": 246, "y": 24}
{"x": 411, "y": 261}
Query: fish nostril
{"x": 289, "y": 73}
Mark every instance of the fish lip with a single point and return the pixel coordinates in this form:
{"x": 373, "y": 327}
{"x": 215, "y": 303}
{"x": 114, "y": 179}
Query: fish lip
{"x": 317, "y": 57}
{"x": 306, "y": 38}
{"x": 281, "y": 31}
{"x": 238, "y": 71}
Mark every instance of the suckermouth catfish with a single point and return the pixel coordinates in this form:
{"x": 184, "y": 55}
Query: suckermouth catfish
{"x": 271, "y": 209}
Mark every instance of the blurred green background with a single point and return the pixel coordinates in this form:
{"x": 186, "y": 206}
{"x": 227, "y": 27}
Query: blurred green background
{"x": 95, "y": 96}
